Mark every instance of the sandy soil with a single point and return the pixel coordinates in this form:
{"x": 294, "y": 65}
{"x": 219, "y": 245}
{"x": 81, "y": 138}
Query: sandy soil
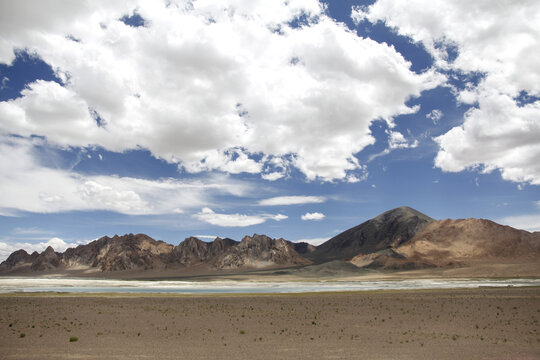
{"x": 443, "y": 324}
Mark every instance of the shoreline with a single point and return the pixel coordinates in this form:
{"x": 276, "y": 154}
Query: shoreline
{"x": 82, "y": 286}
{"x": 52, "y": 294}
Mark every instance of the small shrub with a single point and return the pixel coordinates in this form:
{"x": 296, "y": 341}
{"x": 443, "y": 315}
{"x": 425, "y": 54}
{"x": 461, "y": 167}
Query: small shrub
{"x": 21, "y": 335}
{"x": 73, "y": 339}
{"x": 242, "y": 332}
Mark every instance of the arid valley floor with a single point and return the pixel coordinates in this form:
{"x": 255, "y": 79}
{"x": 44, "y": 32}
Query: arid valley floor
{"x": 485, "y": 323}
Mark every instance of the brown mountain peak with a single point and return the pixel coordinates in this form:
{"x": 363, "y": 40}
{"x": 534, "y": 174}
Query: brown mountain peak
{"x": 389, "y": 229}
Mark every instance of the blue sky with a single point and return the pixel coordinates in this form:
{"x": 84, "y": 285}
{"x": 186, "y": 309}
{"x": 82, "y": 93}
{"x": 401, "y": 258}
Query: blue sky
{"x": 295, "y": 119}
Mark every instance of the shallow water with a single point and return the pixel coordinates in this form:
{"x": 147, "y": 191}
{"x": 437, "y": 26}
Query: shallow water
{"x": 77, "y": 285}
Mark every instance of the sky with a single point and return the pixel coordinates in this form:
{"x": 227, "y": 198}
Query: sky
{"x": 296, "y": 119}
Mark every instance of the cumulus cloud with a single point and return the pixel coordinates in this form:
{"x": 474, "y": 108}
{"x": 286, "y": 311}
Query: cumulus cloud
{"x": 501, "y": 43}
{"x": 235, "y": 220}
{"x": 28, "y": 185}
{"x": 207, "y": 85}
{"x": 57, "y": 244}
{"x": 498, "y": 134}
{"x": 292, "y": 200}
{"x": 313, "y": 216}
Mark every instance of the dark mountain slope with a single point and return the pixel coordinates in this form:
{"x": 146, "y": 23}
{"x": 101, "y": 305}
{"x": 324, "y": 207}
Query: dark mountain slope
{"x": 389, "y": 229}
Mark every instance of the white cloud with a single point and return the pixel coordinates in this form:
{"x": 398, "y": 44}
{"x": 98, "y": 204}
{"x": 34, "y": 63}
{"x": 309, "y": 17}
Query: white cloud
{"x": 30, "y": 231}
{"x": 208, "y": 85}
{"x": 235, "y": 220}
{"x": 209, "y": 237}
{"x": 396, "y": 140}
{"x": 57, "y": 244}
{"x": 497, "y": 135}
{"x": 5, "y": 81}
{"x": 278, "y": 217}
{"x": 27, "y": 185}
{"x": 273, "y": 176}
{"x": 313, "y": 216}
{"x": 233, "y": 162}
{"x": 435, "y": 115}
{"x": 379, "y": 154}
{"x": 500, "y": 41}
{"x": 313, "y": 241}
{"x": 528, "y": 222}
{"x": 292, "y": 200}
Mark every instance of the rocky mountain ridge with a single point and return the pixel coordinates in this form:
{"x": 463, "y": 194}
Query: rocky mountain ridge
{"x": 399, "y": 239}
{"x": 141, "y": 252}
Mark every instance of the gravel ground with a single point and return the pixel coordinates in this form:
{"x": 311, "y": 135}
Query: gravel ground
{"x": 443, "y": 324}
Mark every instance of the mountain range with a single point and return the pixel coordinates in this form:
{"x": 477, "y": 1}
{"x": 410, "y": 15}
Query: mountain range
{"x": 397, "y": 240}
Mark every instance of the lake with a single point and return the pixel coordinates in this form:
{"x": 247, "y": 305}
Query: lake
{"x": 80, "y": 285}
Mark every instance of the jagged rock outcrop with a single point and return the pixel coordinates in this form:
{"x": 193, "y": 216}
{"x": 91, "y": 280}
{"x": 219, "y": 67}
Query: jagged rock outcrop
{"x": 47, "y": 260}
{"x": 19, "y": 259}
{"x": 126, "y": 252}
{"x": 260, "y": 251}
{"x": 190, "y": 251}
{"x": 257, "y": 251}
{"x": 194, "y": 251}
{"x": 387, "y": 230}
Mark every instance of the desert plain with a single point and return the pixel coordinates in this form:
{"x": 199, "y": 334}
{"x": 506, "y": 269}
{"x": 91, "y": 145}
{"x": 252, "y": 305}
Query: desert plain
{"x": 483, "y": 323}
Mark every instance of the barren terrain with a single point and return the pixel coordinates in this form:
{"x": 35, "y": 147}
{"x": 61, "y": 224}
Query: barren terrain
{"x": 445, "y": 324}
